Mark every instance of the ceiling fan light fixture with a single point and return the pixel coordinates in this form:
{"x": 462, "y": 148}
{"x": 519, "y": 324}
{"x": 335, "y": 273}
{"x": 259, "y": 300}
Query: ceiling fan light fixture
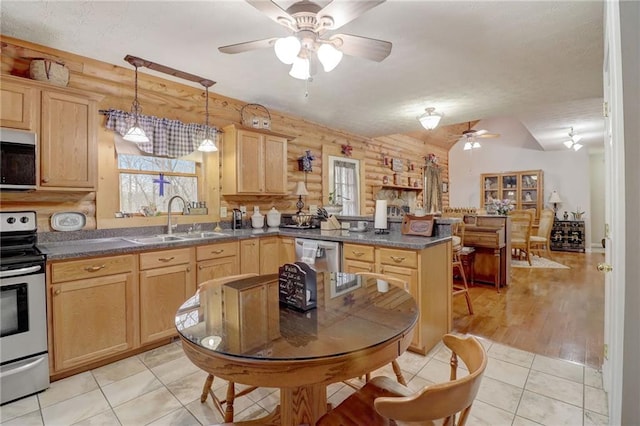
{"x": 300, "y": 69}
{"x": 576, "y": 146}
{"x": 568, "y": 144}
{"x": 329, "y": 56}
{"x": 468, "y": 146}
{"x": 430, "y": 119}
{"x": 136, "y": 132}
{"x": 287, "y": 49}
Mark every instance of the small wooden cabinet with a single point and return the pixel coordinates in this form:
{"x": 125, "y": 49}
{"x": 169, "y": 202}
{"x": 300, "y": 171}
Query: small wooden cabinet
{"x": 217, "y": 260}
{"x": 568, "y": 235}
{"x": 167, "y": 279}
{"x": 66, "y": 121}
{"x": 93, "y": 310}
{"x": 525, "y": 189}
{"x": 254, "y": 161}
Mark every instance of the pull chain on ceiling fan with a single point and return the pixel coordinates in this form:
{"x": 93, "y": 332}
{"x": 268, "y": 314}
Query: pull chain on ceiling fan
{"x": 308, "y": 44}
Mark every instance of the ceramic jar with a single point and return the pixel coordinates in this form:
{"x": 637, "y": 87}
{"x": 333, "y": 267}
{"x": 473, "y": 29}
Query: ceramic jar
{"x": 257, "y": 220}
{"x": 273, "y": 218}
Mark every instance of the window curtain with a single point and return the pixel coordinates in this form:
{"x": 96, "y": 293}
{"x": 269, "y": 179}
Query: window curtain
{"x": 167, "y": 138}
{"x": 432, "y": 189}
{"x": 346, "y": 181}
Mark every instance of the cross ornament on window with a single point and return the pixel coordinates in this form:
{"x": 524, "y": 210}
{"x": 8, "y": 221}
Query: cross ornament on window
{"x": 162, "y": 182}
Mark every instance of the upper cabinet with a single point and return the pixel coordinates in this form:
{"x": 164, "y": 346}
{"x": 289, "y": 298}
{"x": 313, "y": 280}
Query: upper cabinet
{"x": 66, "y": 122}
{"x": 525, "y": 189}
{"x": 254, "y": 161}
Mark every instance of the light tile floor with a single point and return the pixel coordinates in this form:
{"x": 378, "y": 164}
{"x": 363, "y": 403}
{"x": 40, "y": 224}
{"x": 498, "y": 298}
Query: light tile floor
{"x": 162, "y": 387}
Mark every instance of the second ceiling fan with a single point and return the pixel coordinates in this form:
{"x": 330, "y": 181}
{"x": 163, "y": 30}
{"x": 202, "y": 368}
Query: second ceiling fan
{"x": 471, "y": 137}
{"x": 308, "y": 23}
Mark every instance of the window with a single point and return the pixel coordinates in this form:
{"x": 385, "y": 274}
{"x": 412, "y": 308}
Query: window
{"x": 344, "y": 176}
{"x": 140, "y": 181}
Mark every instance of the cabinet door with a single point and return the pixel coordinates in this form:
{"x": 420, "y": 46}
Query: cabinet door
{"x": 162, "y": 291}
{"x": 92, "y": 319}
{"x": 250, "y": 162}
{"x": 275, "y": 169}
{"x": 269, "y": 258}
{"x": 287, "y": 250}
{"x": 352, "y": 266}
{"x": 68, "y": 148}
{"x": 217, "y": 268}
{"x": 250, "y": 256}
{"x": 409, "y": 275}
{"x": 18, "y": 108}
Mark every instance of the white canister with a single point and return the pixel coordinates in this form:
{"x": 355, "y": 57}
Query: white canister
{"x": 273, "y": 218}
{"x": 257, "y": 220}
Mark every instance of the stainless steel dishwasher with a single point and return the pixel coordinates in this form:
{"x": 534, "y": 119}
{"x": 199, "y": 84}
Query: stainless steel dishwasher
{"x": 321, "y": 255}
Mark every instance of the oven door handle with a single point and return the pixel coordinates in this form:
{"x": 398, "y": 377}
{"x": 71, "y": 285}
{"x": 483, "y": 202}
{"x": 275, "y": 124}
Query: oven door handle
{"x": 22, "y": 368}
{"x": 21, "y": 271}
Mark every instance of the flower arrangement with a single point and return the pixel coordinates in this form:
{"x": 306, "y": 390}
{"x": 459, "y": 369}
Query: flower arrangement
{"x": 577, "y": 215}
{"x": 432, "y": 159}
{"x": 502, "y": 207}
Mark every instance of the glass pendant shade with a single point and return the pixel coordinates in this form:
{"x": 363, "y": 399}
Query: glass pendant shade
{"x": 577, "y": 146}
{"x": 136, "y": 134}
{"x": 468, "y": 146}
{"x": 430, "y": 119}
{"x": 207, "y": 145}
{"x": 300, "y": 69}
{"x": 568, "y": 144}
{"x": 475, "y": 145}
{"x": 287, "y": 49}
{"x": 329, "y": 57}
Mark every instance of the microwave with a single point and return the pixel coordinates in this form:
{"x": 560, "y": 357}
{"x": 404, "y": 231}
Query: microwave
{"x": 18, "y": 160}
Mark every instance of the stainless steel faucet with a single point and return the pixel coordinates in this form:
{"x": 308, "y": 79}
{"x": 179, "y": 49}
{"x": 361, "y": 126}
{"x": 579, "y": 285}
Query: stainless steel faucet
{"x": 185, "y": 210}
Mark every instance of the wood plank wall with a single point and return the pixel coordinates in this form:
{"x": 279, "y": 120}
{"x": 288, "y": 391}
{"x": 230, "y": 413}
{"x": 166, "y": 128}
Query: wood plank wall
{"x": 174, "y": 100}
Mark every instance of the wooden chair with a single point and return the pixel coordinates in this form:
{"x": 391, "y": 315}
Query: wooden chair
{"x": 398, "y": 283}
{"x": 224, "y": 406}
{"x": 385, "y": 402}
{"x": 543, "y": 239}
{"x": 521, "y": 221}
{"x": 457, "y": 242}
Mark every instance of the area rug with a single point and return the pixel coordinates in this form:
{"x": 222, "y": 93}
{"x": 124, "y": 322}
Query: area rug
{"x": 537, "y": 262}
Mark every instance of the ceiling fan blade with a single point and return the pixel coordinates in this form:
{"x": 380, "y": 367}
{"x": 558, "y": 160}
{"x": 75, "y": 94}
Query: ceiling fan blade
{"x": 342, "y": 12}
{"x": 273, "y": 11}
{"x": 248, "y": 45}
{"x": 363, "y": 47}
{"x": 488, "y": 135}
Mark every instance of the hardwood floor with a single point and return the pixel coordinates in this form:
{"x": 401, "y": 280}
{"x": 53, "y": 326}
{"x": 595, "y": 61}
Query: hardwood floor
{"x": 554, "y": 312}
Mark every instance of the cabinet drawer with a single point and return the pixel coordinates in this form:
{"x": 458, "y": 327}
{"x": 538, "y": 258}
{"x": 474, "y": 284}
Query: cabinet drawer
{"x": 89, "y": 268}
{"x": 408, "y": 259}
{"x": 216, "y": 251}
{"x": 158, "y": 259}
{"x": 358, "y": 252}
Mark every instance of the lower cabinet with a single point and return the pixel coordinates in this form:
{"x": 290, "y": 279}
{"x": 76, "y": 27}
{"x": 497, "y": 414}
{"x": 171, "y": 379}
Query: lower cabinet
{"x": 217, "y": 261}
{"x": 358, "y": 258}
{"x": 287, "y": 250}
{"x": 269, "y": 255}
{"x": 93, "y": 310}
{"x": 167, "y": 279}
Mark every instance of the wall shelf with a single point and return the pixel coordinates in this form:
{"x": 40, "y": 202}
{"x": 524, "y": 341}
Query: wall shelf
{"x": 397, "y": 187}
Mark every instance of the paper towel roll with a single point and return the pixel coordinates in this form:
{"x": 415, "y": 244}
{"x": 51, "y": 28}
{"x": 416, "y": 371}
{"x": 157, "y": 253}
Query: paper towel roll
{"x": 380, "y": 219}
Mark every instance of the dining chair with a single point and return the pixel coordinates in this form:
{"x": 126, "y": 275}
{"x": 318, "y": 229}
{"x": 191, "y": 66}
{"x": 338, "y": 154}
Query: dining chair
{"x": 224, "y": 406}
{"x": 543, "y": 237}
{"x": 457, "y": 244}
{"x": 398, "y": 283}
{"x": 384, "y": 402}
{"x": 521, "y": 221}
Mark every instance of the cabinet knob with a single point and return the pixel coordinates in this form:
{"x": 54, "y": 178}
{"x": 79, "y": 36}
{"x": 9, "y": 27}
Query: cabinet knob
{"x": 57, "y": 292}
{"x": 188, "y": 268}
{"x": 200, "y": 267}
{"x": 94, "y": 268}
{"x": 604, "y": 267}
{"x": 166, "y": 259}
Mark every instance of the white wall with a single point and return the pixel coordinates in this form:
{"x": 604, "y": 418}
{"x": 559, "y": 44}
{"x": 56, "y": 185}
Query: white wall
{"x": 564, "y": 171}
{"x": 596, "y": 177}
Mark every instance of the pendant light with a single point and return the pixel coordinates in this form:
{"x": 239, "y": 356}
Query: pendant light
{"x": 573, "y": 143}
{"x": 207, "y": 144}
{"x": 136, "y": 132}
{"x": 430, "y": 119}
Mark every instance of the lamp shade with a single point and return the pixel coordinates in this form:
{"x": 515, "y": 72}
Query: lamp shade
{"x": 300, "y": 68}
{"x": 329, "y": 57}
{"x": 136, "y": 134}
{"x": 287, "y": 49}
{"x": 430, "y": 119}
{"x": 555, "y": 197}
{"x": 301, "y": 189}
{"x": 207, "y": 145}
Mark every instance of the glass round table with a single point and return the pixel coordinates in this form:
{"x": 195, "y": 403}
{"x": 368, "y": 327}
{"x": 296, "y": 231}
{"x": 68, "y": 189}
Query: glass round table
{"x": 239, "y": 331}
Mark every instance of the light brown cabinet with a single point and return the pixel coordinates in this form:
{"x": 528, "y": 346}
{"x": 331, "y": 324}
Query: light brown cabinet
{"x": 66, "y": 122}
{"x": 217, "y": 261}
{"x": 260, "y": 255}
{"x": 254, "y": 161}
{"x": 287, "y": 250}
{"x": 525, "y": 189}
{"x": 93, "y": 310}
{"x": 428, "y": 274}
{"x": 167, "y": 279}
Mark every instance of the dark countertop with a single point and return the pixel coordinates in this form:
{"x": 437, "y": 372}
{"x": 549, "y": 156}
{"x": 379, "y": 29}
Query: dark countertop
{"x": 114, "y": 245}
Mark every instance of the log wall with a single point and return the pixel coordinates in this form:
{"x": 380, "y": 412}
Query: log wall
{"x": 174, "y": 100}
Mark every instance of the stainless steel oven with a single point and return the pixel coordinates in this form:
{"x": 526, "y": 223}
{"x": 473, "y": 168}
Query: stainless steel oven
{"x": 17, "y": 160}
{"x": 24, "y": 360}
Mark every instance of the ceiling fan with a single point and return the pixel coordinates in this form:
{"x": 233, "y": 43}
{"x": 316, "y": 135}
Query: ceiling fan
{"x": 308, "y": 23}
{"x": 471, "y": 136}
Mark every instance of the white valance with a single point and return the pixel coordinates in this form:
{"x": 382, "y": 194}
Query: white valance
{"x": 167, "y": 138}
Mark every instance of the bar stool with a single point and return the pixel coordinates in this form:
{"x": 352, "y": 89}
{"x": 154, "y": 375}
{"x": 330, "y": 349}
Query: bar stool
{"x": 457, "y": 240}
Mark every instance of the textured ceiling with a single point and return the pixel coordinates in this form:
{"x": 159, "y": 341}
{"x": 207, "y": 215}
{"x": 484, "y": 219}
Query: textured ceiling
{"x": 539, "y": 62}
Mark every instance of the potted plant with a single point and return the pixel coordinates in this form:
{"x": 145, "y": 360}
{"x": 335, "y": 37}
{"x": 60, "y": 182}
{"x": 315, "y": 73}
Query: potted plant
{"x": 334, "y": 207}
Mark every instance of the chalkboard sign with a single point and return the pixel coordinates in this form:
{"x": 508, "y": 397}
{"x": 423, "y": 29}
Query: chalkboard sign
{"x": 297, "y": 286}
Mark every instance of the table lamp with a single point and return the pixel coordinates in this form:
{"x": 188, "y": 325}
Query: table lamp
{"x": 300, "y": 191}
{"x": 555, "y": 200}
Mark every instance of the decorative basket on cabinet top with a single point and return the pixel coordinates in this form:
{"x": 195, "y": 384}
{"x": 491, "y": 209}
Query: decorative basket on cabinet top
{"x": 50, "y": 71}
